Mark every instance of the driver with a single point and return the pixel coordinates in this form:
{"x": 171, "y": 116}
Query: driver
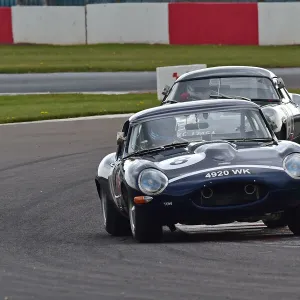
{"x": 162, "y": 132}
{"x": 200, "y": 89}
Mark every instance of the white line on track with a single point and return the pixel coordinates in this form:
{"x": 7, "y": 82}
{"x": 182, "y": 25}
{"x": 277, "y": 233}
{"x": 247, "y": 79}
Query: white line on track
{"x": 116, "y": 116}
{"x": 83, "y": 93}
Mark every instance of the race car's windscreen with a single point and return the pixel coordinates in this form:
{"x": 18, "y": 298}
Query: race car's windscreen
{"x": 201, "y": 125}
{"x": 255, "y": 88}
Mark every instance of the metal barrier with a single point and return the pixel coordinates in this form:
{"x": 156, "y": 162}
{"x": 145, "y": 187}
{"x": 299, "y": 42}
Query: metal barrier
{"x": 9, "y": 3}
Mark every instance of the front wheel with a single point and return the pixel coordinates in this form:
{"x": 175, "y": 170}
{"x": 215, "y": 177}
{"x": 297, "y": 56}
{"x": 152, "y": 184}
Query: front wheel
{"x": 144, "y": 229}
{"x": 114, "y": 223}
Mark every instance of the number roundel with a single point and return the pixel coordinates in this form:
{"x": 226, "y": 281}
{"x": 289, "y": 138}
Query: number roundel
{"x": 178, "y": 161}
{"x": 181, "y": 162}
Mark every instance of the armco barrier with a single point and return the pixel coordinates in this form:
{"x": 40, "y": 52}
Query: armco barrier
{"x": 49, "y": 25}
{"x": 128, "y": 23}
{"x": 6, "y": 35}
{"x": 162, "y": 23}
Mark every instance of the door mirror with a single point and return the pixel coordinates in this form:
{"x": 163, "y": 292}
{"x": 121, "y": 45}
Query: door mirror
{"x": 280, "y": 83}
{"x": 166, "y": 90}
{"x": 272, "y": 125}
{"x": 120, "y": 138}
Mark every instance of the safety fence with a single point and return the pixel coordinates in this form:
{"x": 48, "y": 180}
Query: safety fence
{"x": 9, "y": 3}
{"x": 163, "y": 23}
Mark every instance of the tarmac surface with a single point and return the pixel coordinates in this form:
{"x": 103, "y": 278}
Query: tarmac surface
{"x": 102, "y": 82}
{"x": 53, "y": 245}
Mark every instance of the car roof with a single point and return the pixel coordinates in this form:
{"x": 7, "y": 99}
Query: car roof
{"x": 189, "y": 107}
{"x": 227, "y": 71}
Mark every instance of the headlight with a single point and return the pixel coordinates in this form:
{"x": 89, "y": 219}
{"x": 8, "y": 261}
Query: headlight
{"x": 152, "y": 181}
{"x": 291, "y": 164}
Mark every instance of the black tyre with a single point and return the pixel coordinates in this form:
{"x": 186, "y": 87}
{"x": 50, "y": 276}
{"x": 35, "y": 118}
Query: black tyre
{"x": 114, "y": 223}
{"x": 277, "y": 223}
{"x": 144, "y": 228}
{"x": 294, "y": 221}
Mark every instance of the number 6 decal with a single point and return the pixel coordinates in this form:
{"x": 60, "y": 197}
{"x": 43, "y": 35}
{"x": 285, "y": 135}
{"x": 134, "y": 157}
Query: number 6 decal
{"x": 179, "y": 161}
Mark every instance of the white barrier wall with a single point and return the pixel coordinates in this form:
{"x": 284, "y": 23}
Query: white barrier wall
{"x": 128, "y": 23}
{"x": 49, "y": 25}
{"x": 168, "y": 75}
{"x": 279, "y": 23}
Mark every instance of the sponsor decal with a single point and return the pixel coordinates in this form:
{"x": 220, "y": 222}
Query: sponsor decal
{"x": 195, "y": 133}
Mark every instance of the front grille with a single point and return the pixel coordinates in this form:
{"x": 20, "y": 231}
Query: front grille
{"x": 229, "y": 194}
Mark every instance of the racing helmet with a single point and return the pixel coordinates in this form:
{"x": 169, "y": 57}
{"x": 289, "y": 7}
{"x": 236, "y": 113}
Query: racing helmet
{"x": 199, "y": 89}
{"x": 162, "y": 131}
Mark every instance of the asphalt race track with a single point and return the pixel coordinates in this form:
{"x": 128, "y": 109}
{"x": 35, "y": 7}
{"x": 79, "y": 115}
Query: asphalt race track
{"x": 101, "y": 82}
{"x": 77, "y": 82}
{"x": 53, "y": 245}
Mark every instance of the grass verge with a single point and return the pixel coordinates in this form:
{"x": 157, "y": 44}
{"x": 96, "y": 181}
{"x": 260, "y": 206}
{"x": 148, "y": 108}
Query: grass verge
{"x": 138, "y": 57}
{"x": 21, "y": 108}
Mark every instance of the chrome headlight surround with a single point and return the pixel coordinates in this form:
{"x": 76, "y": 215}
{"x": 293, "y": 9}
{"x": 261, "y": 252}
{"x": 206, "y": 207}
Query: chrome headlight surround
{"x": 291, "y": 165}
{"x": 152, "y": 181}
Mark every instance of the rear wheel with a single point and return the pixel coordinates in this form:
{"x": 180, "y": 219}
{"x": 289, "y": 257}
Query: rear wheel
{"x": 144, "y": 228}
{"x": 114, "y": 223}
{"x": 278, "y": 222}
{"x": 294, "y": 221}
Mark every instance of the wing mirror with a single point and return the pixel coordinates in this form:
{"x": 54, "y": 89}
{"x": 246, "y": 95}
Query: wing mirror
{"x": 272, "y": 124}
{"x": 166, "y": 90}
{"x": 280, "y": 83}
{"x": 120, "y": 138}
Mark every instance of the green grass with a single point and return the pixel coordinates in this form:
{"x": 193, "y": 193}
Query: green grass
{"x": 23, "y": 108}
{"x": 138, "y": 57}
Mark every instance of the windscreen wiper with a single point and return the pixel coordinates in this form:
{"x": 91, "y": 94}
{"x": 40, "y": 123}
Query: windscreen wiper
{"x": 156, "y": 149}
{"x": 229, "y": 97}
{"x": 266, "y": 140}
{"x": 169, "y": 101}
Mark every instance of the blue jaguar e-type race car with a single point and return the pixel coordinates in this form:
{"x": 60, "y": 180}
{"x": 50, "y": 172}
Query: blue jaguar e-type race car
{"x": 199, "y": 162}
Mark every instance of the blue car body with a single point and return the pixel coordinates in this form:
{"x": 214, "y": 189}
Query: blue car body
{"x": 224, "y": 169}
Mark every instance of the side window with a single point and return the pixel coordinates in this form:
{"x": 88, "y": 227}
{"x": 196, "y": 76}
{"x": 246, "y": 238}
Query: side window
{"x": 286, "y": 96}
{"x": 257, "y": 127}
{"x": 125, "y": 128}
{"x": 134, "y": 142}
{"x": 250, "y": 125}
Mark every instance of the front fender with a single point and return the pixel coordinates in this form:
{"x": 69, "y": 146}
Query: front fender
{"x": 105, "y": 167}
{"x": 132, "y": 169}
